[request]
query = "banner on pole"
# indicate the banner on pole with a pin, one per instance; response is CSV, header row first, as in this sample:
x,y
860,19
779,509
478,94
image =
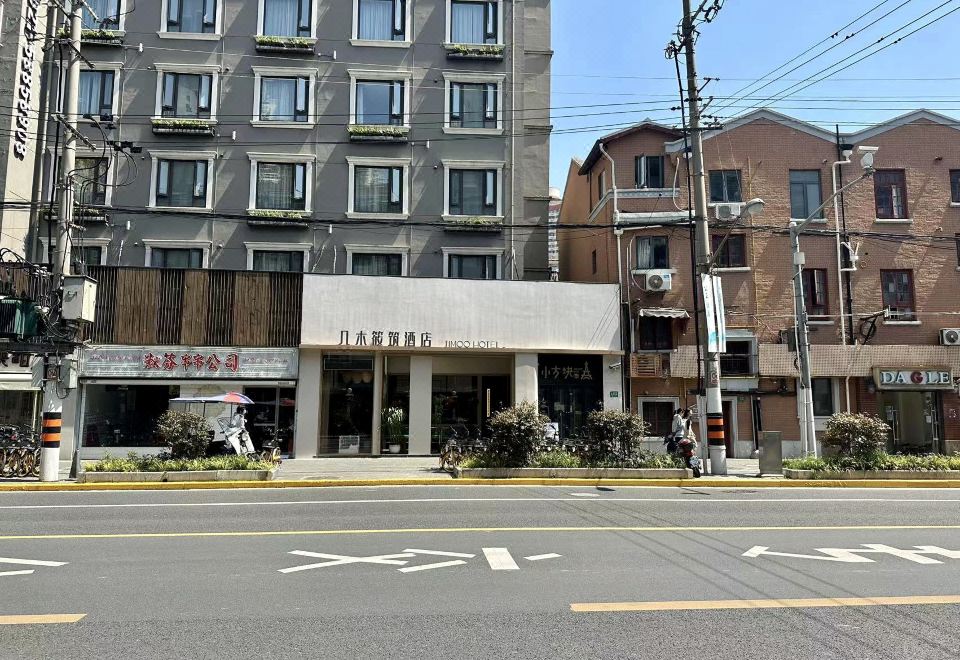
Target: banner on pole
x,y
713,308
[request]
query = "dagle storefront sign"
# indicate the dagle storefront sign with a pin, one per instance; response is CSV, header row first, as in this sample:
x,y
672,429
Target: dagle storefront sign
x,y
913,379
187,363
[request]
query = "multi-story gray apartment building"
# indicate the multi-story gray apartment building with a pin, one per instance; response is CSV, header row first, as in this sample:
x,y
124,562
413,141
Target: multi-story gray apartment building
x,y
387,137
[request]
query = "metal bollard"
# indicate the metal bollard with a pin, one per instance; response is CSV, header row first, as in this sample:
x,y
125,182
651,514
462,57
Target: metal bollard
x,y
50,446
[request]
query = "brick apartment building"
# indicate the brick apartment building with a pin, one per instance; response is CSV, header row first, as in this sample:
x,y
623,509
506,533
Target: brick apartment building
x,y
904,232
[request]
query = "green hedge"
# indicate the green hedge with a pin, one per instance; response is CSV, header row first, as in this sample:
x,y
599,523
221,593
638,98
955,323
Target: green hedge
x,y
880,461
134,463
564,459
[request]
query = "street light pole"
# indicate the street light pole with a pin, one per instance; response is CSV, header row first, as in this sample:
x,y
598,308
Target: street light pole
x,y
808,434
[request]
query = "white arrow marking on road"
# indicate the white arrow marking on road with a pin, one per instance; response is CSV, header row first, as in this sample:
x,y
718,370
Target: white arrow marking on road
x,y
500,559
549,555
909,555
441,553
584,494
27,572
428,567
936,550
340,560
833,554
31,562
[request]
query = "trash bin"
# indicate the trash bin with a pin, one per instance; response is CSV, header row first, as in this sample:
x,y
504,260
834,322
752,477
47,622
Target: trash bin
x,y
771,452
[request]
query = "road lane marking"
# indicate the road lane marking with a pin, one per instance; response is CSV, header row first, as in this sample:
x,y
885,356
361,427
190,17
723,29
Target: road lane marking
x,y
773,603
917,555
26,572
31,562
34,619
470,530
428,567
549,555
573,497
441,553
500,559
341,560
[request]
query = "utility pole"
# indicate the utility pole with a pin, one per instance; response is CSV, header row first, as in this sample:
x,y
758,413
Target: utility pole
x,y
715,432
53,402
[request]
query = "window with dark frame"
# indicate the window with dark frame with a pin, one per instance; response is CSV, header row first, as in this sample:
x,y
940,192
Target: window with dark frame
x,y
653,252
822,397
96,94
815,294
737,361
473,22
593,261
955,186
377,263
284,99
176,257
890,191
382,20
601,185
186,95
473,192
898,294
91,255
805,194
473,105
90,176
731,253
107,11
278,261
648,172
287,18
182,183
655,333
378,189
198,16
725,186
380,102
659,417
281,186
472,266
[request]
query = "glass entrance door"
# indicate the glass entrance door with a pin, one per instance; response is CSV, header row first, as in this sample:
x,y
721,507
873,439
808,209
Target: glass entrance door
x,y
914,419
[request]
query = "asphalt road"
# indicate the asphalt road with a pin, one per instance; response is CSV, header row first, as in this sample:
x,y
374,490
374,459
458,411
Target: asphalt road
x,y
481,572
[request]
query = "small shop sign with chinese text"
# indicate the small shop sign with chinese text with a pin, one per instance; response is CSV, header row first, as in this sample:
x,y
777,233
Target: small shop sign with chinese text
x,y
913,379
185,362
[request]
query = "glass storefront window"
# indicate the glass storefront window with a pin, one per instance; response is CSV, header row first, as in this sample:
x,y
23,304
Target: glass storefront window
x,y
124,415
571,387
398,396
347,404
271,416
18,408
462,405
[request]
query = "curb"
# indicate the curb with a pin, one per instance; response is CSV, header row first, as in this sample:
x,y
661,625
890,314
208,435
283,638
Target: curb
x,y
705,482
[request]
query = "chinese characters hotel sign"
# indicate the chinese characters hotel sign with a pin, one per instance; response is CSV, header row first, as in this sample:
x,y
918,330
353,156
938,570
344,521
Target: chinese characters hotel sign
x,y
189,363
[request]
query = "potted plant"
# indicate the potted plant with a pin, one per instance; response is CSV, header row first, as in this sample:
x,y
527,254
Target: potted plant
x,y
393,427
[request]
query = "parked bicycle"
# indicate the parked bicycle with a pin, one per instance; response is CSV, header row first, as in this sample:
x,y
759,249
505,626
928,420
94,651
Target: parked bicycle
x,y
19,452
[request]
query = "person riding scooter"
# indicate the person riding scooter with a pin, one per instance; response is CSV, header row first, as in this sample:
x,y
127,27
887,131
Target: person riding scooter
x,y
236,433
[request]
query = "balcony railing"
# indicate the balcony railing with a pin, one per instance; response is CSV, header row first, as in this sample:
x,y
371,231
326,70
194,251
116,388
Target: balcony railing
x,y
145,306
733,364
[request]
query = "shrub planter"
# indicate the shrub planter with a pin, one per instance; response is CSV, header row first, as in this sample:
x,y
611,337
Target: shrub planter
x,y
198,475
183,127
483,227
368,133
910,475
290,45
261,218
572,473
475,52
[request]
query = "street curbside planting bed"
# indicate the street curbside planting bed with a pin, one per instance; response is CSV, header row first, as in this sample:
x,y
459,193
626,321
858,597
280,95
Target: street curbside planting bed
x,y
161,477
157,469
851,475
572,473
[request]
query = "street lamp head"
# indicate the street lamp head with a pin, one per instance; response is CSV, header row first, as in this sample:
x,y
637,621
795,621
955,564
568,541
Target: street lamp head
x,y
866,160
846,150
753,207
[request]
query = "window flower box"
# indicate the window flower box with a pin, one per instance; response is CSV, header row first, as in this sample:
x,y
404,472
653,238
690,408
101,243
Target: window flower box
x,y
80,214
296,45
377,133
112,38
165,126
475,52
475,224
277,218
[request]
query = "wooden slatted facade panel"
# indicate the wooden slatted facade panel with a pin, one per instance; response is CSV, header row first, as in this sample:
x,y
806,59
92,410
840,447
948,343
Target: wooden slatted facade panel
x,y
143,306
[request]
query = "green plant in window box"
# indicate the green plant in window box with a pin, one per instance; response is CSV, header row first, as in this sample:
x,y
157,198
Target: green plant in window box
x,y
376,130
476,50
92,35
182,125
277,214
292,43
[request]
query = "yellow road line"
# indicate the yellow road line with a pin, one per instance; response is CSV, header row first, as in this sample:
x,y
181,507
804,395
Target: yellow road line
x,y
791,603
469,530
34,619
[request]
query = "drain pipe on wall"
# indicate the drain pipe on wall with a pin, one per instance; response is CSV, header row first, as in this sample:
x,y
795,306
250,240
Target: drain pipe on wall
x,y
618,232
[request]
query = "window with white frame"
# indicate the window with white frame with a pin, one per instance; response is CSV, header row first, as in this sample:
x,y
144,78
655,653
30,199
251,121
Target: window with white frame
x,y
96,94
473,192
191,16
648,172
186,95
823,403
91,255
468,264
380,20
286,18
107,12
281,186
386,264
284,99
380,102
278,261
90,180
176,257
181,179
474,21
378,186
474,104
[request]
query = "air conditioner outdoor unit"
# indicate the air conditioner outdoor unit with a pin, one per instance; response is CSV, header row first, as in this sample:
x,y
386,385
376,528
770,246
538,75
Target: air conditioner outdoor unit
x,y
950,336
658,281
727,211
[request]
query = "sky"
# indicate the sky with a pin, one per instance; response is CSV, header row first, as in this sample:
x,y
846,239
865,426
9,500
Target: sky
x,y
609,69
